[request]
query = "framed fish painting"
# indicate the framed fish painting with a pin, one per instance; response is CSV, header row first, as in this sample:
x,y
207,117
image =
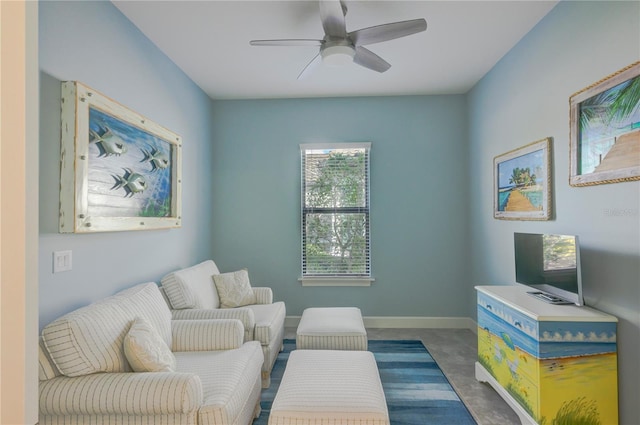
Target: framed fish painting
x,y
119,170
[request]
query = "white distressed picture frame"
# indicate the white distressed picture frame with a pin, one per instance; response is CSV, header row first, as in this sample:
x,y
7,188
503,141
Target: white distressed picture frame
x,y
118,170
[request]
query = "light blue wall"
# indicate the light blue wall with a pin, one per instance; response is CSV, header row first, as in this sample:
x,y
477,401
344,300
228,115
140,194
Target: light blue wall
x,y
92,42
526,98
241,191
431,168
419,193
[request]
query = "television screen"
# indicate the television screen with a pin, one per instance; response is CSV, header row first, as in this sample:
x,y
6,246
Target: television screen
x,y
550,264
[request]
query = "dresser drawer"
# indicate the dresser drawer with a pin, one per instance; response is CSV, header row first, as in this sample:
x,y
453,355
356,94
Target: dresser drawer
x,y
517,329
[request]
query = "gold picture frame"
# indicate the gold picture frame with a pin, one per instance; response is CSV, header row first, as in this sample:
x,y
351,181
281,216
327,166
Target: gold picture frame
x,y
119,170
604,134
522,183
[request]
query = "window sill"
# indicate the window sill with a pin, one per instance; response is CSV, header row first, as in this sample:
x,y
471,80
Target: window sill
x,y
336,281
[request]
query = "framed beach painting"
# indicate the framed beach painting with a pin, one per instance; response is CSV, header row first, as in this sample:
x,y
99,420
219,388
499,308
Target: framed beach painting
x,y
522,183
604,131
119,170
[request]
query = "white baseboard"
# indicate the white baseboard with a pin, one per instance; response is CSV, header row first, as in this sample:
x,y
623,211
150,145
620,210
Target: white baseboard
x,y
399,322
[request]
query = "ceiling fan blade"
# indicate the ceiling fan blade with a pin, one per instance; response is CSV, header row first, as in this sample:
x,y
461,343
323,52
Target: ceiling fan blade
x,y
368,59
287,42
385,32
317,60
332,16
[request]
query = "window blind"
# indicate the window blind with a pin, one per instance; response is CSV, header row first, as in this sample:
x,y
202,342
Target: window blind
x,y
335,210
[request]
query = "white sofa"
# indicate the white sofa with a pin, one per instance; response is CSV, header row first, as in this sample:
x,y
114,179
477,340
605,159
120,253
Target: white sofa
x,y
191,294
86,374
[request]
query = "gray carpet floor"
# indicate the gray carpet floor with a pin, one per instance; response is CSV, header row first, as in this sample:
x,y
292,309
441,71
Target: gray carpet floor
x,y
455,351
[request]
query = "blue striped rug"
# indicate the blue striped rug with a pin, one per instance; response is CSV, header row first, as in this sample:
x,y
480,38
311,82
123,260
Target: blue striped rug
x,y
416,390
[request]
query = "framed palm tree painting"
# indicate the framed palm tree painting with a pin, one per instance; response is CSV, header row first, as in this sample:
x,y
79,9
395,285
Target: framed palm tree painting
x,y
522,183
605,130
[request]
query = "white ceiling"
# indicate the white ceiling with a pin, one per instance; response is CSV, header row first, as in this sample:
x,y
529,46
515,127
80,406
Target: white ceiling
x,y
209,41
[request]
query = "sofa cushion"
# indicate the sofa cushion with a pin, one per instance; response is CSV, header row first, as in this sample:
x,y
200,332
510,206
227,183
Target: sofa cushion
x,y
147,301
227,378
192,287
145,349
90,339
234,289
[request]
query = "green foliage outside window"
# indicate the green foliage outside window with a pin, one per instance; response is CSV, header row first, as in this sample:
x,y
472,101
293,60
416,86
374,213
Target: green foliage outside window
x,y
335,213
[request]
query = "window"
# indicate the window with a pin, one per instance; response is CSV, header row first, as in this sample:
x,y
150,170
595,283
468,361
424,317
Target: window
x,y
335,214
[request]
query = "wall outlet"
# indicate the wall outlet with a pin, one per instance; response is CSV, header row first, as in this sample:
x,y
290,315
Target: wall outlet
x,y
62,261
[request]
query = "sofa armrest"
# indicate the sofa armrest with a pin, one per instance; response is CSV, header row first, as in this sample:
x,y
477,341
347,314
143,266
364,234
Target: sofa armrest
x,y
158,393
245,315
264,295
206,335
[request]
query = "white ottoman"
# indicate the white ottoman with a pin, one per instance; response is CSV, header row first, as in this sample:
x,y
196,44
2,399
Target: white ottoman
x,y
336,328
330,387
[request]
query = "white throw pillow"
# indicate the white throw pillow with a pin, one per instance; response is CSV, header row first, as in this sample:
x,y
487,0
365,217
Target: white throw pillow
x,y
146,351
234,289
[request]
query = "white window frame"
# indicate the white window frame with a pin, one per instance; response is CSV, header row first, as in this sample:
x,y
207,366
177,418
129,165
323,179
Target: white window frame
x,y
337,279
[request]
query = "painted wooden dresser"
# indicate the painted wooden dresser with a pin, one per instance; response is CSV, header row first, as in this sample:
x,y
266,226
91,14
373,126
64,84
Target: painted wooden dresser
x,y
550,363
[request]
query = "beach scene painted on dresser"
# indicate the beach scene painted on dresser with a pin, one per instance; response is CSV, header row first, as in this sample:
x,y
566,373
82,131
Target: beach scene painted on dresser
x,y
534,364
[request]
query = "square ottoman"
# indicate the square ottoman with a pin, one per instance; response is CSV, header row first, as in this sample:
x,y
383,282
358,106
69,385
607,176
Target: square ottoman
x,y
334,328
330,387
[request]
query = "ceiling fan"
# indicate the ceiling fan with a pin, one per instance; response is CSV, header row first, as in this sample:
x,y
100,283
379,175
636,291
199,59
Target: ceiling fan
x,y
339,47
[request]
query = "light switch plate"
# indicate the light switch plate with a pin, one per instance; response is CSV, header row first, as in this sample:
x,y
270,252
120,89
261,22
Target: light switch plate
x,y
62,261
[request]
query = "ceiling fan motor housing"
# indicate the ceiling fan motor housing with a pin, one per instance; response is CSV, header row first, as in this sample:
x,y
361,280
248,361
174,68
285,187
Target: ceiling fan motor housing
x,y
337,53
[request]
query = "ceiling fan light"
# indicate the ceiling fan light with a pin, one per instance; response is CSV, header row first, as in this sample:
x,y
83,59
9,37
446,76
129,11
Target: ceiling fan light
x,y
338,55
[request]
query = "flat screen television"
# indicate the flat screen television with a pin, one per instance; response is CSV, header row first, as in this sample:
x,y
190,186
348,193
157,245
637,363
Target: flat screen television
x,y
550,265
